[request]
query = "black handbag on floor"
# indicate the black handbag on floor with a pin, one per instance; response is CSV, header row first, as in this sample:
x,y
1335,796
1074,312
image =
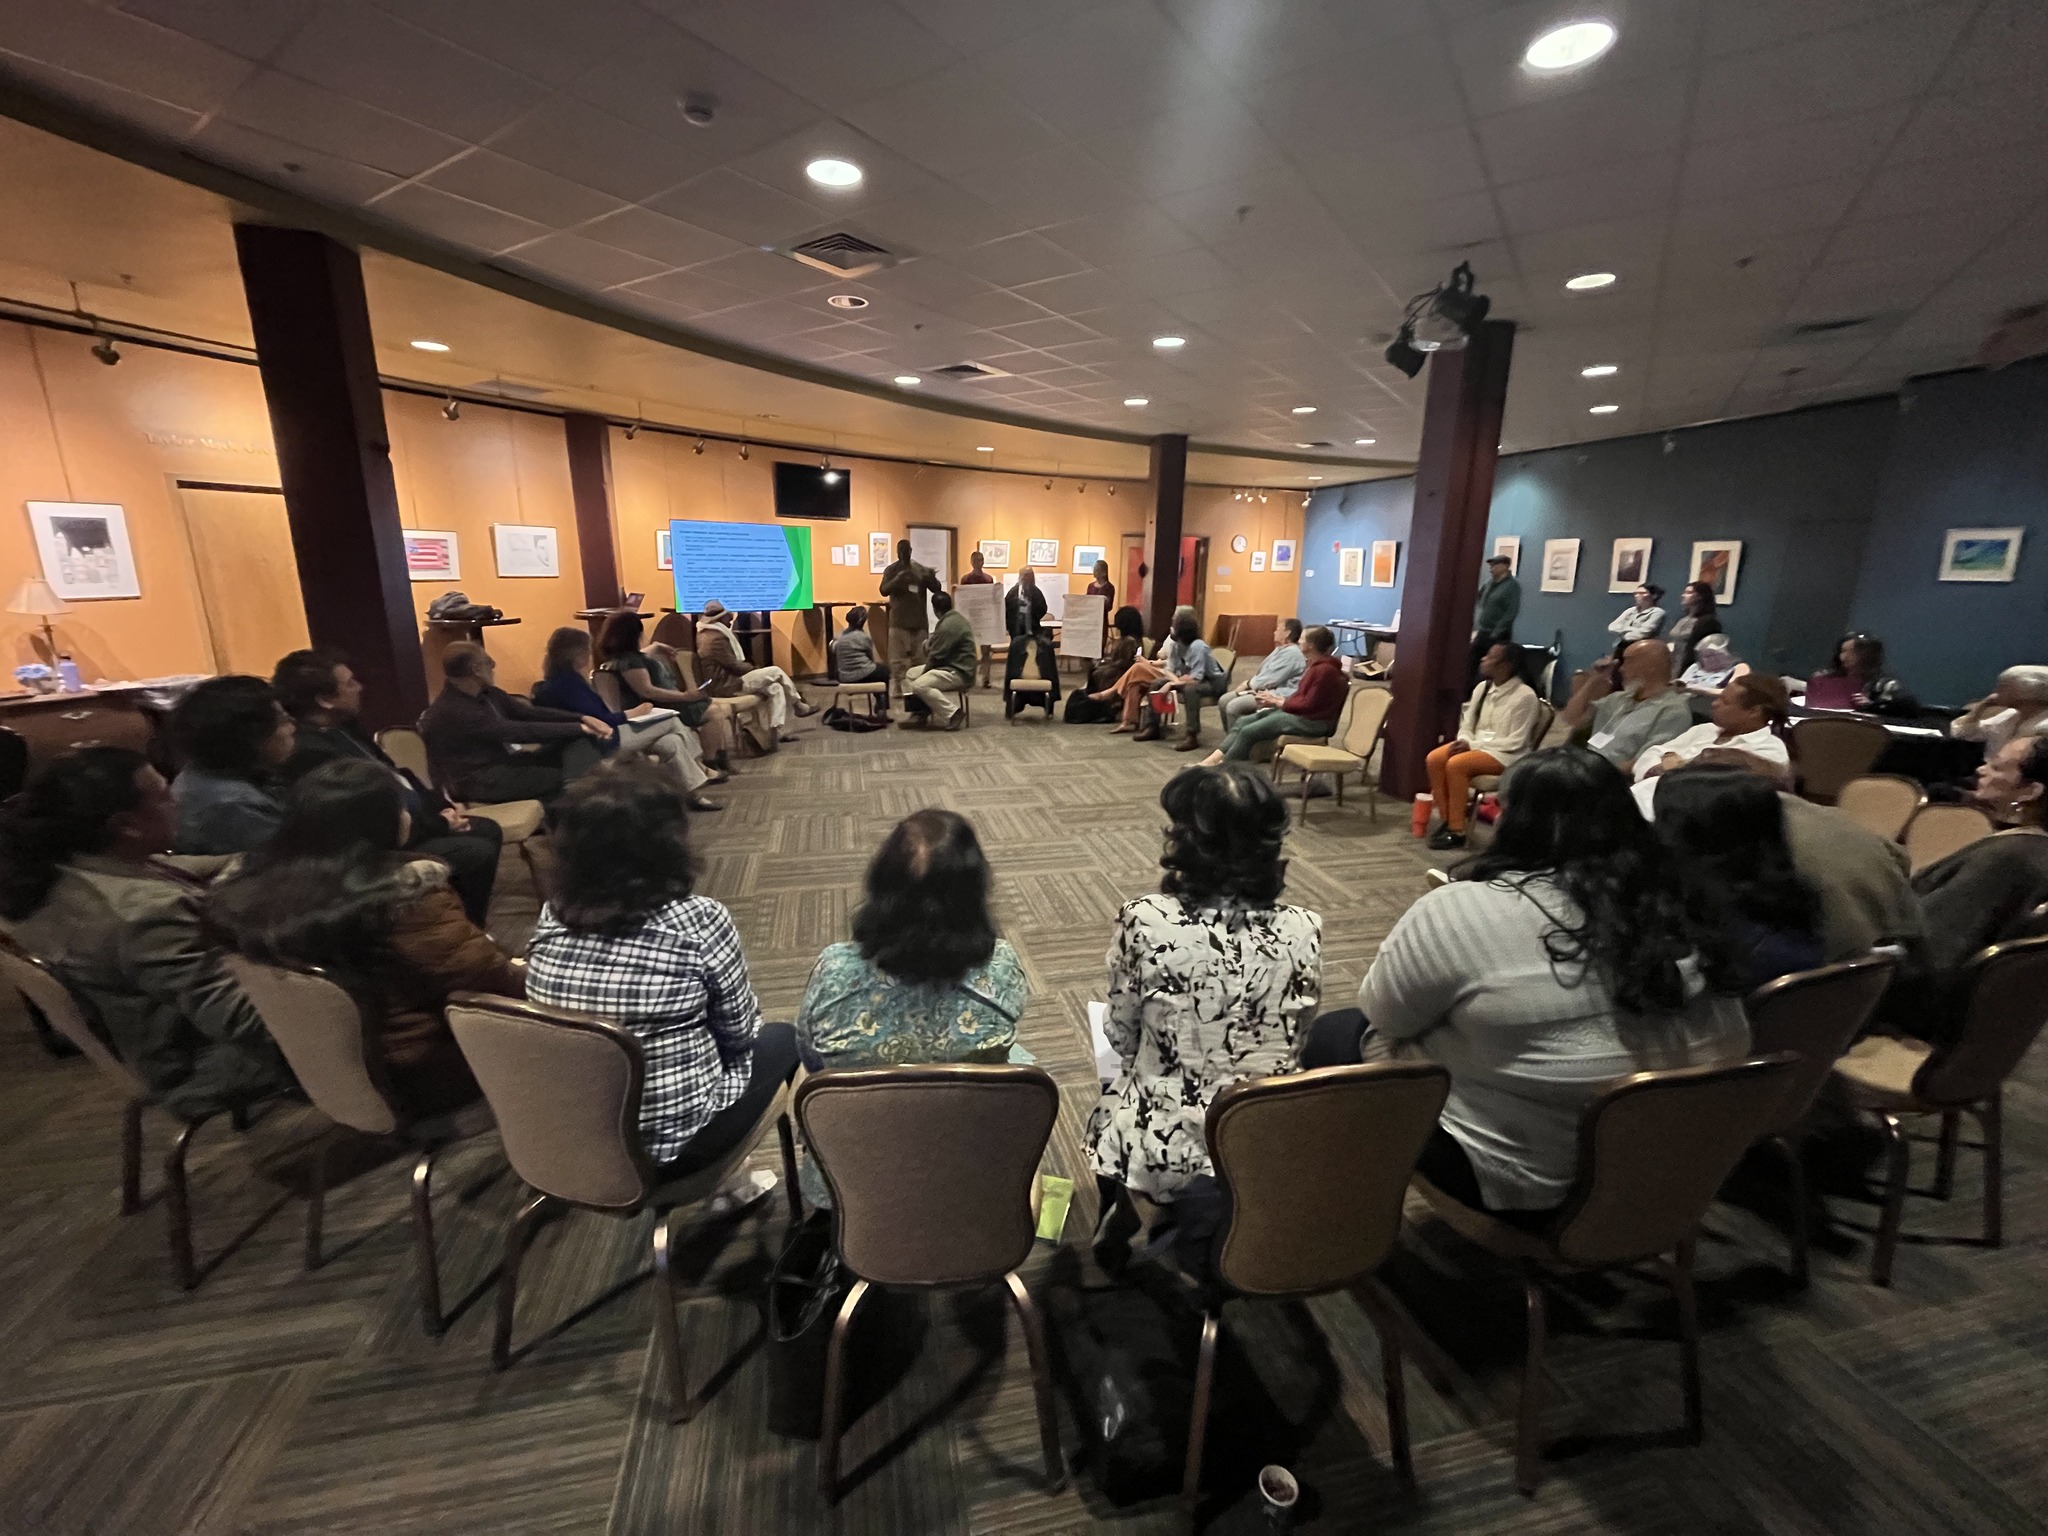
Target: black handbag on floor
x,y
806,1289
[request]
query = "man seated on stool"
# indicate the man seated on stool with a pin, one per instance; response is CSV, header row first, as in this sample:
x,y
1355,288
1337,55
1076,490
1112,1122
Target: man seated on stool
x,y
853,652
1493,731
471,728
727,671
947,669
1312,708
1273,682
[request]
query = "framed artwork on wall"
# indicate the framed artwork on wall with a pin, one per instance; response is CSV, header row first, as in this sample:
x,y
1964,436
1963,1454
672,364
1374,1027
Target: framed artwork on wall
x,y
1510,544
1283,554
878,552
526,550
1560,565
1085,556
1386,558
1717,562
1044,554
1981,554
995,554
852,555
432,555
85,550
1629,566
664,559
1350,567
1258,560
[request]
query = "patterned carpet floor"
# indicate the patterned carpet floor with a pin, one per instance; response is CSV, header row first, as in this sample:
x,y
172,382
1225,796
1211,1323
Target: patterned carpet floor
x,y
272,1400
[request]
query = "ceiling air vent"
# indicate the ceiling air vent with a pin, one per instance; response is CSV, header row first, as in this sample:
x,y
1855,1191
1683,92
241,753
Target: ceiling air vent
x,y
968,371
841,254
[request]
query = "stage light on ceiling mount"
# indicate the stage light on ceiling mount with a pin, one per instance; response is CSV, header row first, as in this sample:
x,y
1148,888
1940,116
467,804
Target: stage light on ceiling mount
x,y
1602,410
1405,355
1600,371
1571,46
453,409
1169,343
1446,316
1586,282
428,344
828,171
909,380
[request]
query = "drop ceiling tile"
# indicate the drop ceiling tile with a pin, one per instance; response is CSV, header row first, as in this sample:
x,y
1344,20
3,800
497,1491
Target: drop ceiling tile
x,y
1255,41
1073,293
581,263
780,165
991,307
1188,271
111,101
1403,88
1596,126
291,166
1049,332
829,52
1992,117
1051,187
1118,62
955,120
645,82
299,113
1765,212
1208,138
540,39
729,204
578,142
520,189
369,57
684,290
1961,231
1848,70
770,276
658,237
1136,233
2009,38
759,321
975,26
1739,26
940,223
1923,185
247,28
1424,168
1018,259
453,220
1813,151
123,51
1626,189
1443,225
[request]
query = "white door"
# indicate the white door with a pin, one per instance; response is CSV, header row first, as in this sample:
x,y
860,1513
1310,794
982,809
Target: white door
x,y
933,547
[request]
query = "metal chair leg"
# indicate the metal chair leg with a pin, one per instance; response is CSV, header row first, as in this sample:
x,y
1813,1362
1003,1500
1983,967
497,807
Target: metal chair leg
x,y
789,1168
1529,1415
1680,1276
1041,1382
835,1393
1898,1161
1991,1115
316,1199
517,1236
1945,1154
131,1157
1801,1234
178,1205
1198,1417
668,1337
428,1259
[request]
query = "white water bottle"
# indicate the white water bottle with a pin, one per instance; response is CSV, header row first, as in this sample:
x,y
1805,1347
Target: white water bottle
x,y
67,675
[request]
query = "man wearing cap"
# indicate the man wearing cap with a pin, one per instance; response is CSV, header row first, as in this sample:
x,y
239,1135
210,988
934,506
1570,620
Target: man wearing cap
x,y
1493,616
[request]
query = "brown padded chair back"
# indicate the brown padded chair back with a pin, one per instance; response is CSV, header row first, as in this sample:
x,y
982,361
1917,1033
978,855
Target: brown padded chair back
x,y
1317,1165
1813,1016
1369,708
323,1034
1539,727
1880,802
930,1166
1940,830
676,629
1829,752
43,987
408,749
2005,1003
1654,1149
565,1091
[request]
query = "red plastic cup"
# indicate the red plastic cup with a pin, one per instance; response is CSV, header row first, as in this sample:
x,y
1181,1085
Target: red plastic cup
x,y
1419,822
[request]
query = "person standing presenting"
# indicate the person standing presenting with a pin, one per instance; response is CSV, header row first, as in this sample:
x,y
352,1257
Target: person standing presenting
x,y
1494,615
905,583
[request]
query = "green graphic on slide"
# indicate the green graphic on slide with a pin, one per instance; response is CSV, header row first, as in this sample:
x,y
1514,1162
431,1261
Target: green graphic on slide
x,y
749,567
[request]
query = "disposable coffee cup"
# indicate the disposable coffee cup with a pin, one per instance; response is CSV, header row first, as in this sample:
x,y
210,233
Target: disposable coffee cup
x,y
1279,1492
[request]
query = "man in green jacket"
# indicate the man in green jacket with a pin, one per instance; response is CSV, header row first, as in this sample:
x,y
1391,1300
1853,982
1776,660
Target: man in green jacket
x,y
950,656
1494,615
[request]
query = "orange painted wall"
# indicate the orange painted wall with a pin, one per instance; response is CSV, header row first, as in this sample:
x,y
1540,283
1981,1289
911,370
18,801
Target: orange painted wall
x,y
1233,586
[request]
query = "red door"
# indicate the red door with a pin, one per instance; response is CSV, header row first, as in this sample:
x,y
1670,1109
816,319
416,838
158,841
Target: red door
x,y
1184,591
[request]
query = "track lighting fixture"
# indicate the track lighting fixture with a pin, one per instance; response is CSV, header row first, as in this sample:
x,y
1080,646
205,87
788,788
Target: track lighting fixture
x,y
1048,485
1112,490
453,409
632,430
103,349
1444,317
1083,491
1262,498
825,462
744,455
698,447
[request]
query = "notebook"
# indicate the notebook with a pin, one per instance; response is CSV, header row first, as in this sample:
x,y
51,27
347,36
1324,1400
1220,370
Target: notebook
x,y
1826,691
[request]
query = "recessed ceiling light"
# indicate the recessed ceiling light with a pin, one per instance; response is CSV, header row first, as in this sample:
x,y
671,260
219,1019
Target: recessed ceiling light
x,y
1587,280
1365,442
908,380
984,449
828,172
1304,410
1570,46
1136,400
1602,410
1600,371
423,344
1315,477
847,301
1168,343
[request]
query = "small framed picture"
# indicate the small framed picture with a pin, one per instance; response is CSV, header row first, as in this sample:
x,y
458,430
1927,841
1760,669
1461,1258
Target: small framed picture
x,y
1351,567
839,554
664,560
995,553
1085,556
1042,554
1981,554
84,545
1258,559
1386,559
852,553
1283,554
1717,562
1629,567
525,550
431,555
878,552
1560,565
1510,544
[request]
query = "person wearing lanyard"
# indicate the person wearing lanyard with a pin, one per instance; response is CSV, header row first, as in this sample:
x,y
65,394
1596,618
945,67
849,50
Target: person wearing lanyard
x,y
1647,710
1492,733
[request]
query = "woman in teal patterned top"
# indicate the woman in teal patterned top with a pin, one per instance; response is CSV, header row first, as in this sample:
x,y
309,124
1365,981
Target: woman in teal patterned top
x,y
925,978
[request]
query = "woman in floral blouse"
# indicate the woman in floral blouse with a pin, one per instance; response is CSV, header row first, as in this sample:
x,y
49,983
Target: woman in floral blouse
x,y
1209,982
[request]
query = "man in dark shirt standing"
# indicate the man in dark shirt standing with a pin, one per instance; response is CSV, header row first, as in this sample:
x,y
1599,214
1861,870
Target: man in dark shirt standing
x,y
471,728
905,584
1494,615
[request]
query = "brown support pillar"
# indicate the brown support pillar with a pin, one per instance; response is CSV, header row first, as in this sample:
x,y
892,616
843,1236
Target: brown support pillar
x,y
1168,485
319,368
1446,540
590,483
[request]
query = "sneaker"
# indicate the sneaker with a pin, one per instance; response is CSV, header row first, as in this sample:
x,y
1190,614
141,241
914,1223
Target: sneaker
x,y
805,708
749,1189
1446,839
699,803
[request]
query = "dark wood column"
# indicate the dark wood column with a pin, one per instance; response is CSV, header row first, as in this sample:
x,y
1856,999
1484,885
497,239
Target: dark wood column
x,y
1446,542
1167,485
319,368
590,482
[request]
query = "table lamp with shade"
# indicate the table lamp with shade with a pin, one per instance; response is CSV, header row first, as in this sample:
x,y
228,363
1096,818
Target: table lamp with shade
x,y
36,598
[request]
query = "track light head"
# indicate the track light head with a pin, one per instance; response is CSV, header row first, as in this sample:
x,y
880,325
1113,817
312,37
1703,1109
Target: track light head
x,y
698,447
1112,490
1457,303
744,454
103,349
1083,490
1048,485
632,430
453,409
1403,353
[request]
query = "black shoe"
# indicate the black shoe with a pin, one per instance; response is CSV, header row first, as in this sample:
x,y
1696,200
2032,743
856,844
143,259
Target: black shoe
x,y
699,803
1446,839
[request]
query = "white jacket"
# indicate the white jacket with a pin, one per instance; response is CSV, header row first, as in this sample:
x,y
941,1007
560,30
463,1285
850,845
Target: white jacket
x,y
1498,719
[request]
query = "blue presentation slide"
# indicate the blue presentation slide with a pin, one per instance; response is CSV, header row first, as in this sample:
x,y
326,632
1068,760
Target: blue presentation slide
x,y
749,567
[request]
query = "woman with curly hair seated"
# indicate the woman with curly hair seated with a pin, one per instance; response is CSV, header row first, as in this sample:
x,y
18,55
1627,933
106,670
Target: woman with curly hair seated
x,y
1210,981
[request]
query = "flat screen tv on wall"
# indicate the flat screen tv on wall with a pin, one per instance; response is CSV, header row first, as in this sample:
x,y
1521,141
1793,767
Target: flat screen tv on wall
x,y
807,491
